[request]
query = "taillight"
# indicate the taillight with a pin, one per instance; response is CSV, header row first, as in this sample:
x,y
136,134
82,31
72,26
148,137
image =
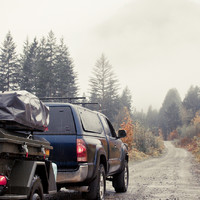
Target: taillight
x,y
81,150
3,184
3,180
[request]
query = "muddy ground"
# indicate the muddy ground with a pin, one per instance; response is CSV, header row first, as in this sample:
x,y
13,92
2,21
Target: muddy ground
x,y
173,176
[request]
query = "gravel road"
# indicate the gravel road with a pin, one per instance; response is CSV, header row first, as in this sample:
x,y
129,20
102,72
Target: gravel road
x,y
174,176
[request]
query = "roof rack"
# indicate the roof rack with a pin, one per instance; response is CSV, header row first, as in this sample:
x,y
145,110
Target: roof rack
x,y
62,98
70,100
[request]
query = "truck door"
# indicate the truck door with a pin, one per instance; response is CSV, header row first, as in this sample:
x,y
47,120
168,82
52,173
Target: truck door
x,y
114,145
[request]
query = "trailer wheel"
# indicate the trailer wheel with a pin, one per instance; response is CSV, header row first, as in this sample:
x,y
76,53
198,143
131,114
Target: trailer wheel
x,y
36,192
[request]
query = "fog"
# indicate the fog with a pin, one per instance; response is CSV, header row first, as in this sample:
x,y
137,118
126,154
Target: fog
x,y
152,45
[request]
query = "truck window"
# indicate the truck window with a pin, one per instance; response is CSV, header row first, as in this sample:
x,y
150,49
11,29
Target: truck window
x,y
90,121
60,120
110,131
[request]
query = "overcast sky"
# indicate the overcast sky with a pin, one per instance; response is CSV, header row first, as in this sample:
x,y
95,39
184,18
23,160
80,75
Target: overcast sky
x,y
152,45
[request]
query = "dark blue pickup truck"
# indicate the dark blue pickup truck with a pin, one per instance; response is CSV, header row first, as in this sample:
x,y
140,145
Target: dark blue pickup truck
x,y
87,150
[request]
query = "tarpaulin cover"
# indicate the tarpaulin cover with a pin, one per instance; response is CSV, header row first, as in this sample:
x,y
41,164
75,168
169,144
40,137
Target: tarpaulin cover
x,y
23,110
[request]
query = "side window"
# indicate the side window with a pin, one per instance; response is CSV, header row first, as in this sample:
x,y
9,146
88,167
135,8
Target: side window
x,y
61,121
90,121
110,131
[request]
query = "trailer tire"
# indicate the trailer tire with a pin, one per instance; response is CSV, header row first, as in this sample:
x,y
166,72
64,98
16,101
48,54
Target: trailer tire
x,y
36,192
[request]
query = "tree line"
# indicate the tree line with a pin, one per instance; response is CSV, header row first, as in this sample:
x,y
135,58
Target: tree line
x,y
174,116
46,69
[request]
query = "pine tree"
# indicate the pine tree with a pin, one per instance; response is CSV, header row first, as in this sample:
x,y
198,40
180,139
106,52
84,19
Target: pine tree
x,y
51,55
152,120
29,63
46,66
169,115
66,78
104,87
191,103
42,73
9,65
126,98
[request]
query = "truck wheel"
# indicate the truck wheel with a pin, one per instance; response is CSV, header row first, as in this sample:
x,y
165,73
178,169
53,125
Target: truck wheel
x,y
36,192
120,181
97,187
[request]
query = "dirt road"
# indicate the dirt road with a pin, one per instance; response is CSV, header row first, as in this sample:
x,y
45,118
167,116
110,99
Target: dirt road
x,y
174,176
171,177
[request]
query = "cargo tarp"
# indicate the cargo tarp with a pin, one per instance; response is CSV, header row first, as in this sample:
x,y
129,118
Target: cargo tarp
x,y
23,110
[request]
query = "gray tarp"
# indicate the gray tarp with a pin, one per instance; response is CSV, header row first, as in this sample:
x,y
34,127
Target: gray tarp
x,y
23,110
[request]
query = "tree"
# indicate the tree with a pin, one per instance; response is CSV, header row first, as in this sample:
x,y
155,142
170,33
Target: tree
x,y
104,87
191,103
42,72
46,65
66,78
9,65
29,64
126,99
127,125
169,115
55,76
152,120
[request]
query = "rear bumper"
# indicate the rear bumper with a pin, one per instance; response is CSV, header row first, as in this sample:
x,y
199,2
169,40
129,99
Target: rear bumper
x,y
73,176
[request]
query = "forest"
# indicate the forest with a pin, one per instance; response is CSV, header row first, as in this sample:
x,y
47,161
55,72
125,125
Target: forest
x,y
46,69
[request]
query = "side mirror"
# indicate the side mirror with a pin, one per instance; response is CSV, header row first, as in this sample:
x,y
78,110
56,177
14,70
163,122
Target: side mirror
x,y
121,133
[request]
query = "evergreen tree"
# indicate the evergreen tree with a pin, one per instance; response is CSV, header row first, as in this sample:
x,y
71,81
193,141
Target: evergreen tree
x,y
126,99
169,115
29,63
46,66
51,56
9,65
152,120
104,88
191,103
125,104
42,71
66,78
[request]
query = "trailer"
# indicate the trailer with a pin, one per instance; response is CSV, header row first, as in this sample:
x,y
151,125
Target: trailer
x,y
25,171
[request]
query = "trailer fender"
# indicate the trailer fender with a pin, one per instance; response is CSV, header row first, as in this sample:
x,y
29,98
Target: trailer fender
x,y
23,173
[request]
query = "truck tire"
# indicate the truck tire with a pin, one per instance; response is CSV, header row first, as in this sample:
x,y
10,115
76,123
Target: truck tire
x,y
120,181
36,192
97,187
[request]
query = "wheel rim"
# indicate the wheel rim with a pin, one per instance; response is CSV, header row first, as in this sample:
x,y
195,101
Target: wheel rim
x,y
126,177
36,197
101,186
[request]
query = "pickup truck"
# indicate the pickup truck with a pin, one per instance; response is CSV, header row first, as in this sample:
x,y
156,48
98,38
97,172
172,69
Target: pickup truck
x,y
86,150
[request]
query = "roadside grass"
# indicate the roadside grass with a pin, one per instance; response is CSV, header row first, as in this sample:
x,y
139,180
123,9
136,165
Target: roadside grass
x,y
192,145
136,155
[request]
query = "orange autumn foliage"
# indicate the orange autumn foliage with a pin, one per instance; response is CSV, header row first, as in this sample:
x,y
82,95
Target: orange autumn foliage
x,y
173,135
127,125
196,119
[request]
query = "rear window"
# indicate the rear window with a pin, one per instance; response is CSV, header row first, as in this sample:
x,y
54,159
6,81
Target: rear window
x,y
61,121
90,121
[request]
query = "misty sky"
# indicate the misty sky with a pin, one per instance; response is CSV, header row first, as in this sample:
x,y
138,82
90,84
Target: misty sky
x,y
153,45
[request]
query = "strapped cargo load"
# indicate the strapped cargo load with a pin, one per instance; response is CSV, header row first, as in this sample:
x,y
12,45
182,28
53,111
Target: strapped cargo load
x,y
21,113
21,110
